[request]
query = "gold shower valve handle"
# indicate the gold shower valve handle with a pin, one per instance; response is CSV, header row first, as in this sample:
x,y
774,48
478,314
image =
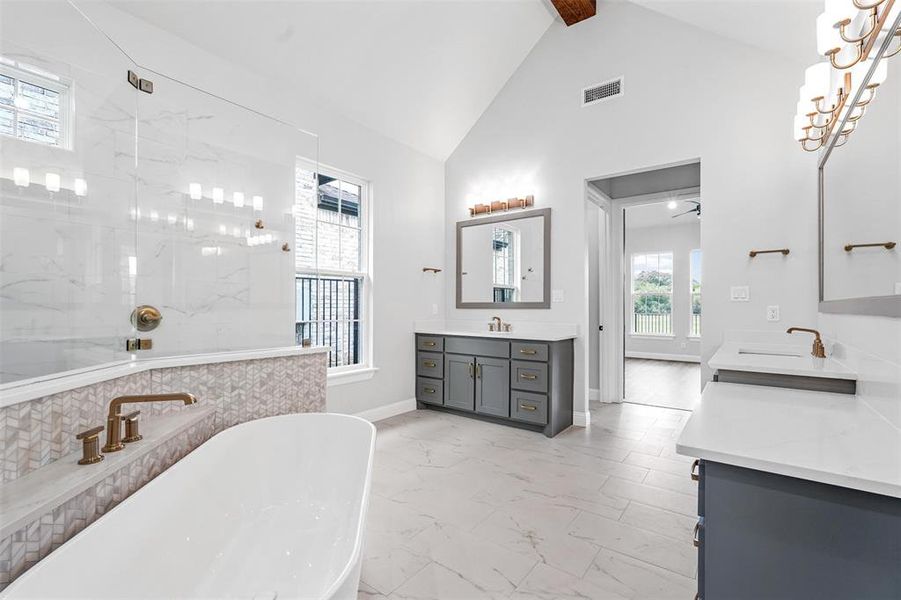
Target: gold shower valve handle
x,y
146,318
132,433
90,448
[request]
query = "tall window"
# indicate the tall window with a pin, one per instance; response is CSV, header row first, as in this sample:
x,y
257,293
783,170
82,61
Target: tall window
x,y
504,267
652,294
694,329
331,263
33,107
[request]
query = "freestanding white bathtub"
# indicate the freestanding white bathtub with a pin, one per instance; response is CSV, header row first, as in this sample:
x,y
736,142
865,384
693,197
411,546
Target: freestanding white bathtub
x,y
273,508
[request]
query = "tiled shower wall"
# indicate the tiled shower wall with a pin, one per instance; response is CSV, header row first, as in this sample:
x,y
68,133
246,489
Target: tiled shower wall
x,y
38,432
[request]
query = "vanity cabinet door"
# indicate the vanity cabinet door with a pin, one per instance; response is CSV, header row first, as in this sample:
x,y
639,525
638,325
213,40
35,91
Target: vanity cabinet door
x,y
459,377
493,386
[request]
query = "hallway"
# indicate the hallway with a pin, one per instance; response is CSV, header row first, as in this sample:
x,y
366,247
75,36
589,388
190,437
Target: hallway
x,y
663,383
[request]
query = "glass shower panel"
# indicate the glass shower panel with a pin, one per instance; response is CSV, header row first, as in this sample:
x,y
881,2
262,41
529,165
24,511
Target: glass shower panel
x,y
68,253
215,237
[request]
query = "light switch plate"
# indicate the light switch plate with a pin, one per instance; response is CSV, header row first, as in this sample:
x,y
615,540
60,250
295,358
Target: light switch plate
x,y
434,309
556,295
740,293
772,313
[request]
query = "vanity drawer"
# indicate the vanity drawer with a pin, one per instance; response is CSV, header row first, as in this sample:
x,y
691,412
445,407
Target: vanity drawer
x,y
528,351
528,376
528,407
477,347
430,343
429,390
429,364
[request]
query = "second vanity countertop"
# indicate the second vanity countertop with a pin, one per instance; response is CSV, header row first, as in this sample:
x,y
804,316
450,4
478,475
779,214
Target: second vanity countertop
x,y
837,439
549,332
778,359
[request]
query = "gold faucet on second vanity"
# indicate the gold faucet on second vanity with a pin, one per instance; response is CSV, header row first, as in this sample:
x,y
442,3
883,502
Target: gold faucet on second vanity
x,y
818,350
113,418
496,324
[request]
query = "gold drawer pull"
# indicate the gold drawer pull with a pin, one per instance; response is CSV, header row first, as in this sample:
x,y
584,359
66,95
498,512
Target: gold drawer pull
x,y
429,364
528,351
696,536
527,376
695,476
429,344
428,390
528,407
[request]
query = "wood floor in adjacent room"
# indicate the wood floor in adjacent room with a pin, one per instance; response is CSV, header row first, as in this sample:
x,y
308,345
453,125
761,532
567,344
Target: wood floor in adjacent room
x,y
665,383
463,509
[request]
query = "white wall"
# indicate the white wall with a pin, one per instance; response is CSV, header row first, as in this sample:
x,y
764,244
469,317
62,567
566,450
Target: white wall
x,y
407,196
688,95
680,240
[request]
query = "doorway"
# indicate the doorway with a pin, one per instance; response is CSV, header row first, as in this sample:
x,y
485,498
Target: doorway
x,y
645,282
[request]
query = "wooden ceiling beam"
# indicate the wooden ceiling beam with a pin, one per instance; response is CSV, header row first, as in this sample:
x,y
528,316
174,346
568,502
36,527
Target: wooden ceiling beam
x,y
574,11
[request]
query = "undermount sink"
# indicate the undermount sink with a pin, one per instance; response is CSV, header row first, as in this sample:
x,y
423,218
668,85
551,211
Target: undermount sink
x,y
788,353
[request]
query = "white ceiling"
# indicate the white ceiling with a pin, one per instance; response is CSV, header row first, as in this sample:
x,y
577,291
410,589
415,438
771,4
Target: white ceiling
x,y
659,215
421,72
785,27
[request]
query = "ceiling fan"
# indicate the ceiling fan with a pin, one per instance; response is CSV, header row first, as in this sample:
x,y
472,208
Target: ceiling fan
x,y
696,210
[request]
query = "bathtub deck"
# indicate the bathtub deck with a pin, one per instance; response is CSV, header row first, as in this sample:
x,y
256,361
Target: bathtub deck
x,y
466,509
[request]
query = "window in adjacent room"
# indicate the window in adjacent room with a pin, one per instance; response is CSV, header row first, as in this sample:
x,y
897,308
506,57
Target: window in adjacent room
x,y
504,245
694,329
331,263
652,294
34,106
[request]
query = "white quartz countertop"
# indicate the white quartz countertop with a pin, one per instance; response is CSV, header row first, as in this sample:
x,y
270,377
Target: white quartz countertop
x,y
779,359
544,332
837,439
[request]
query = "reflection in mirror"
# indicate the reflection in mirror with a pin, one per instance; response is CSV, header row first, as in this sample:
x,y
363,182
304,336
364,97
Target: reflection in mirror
x,y
503,260
862,202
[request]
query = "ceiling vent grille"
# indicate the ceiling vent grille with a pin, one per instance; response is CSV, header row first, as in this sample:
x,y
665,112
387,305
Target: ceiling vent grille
x,y
602,91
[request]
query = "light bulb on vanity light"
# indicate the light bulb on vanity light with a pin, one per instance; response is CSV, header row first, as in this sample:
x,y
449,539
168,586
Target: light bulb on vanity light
x,y
21,177
81,187
195,191
218,195
672,205
51,182
238,199
223,230
258,203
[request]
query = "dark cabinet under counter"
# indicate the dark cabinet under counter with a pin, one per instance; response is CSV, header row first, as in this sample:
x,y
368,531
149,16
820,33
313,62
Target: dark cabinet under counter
x,y
523,383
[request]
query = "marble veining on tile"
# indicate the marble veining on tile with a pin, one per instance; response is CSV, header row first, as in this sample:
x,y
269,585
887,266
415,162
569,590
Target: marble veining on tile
x,y
466,509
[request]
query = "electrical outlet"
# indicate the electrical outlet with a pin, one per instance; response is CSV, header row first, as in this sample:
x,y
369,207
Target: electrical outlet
x,y
434,309
556,295
772,313
740,293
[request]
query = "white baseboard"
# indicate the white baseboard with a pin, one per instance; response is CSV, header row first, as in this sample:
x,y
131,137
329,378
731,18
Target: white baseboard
x,y
594,395
662,356
581,419
389,410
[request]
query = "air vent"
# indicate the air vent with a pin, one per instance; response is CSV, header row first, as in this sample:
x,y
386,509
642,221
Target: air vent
x,y
602,91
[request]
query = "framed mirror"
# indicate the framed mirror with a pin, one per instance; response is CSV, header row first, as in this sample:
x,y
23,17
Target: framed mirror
x,y
860,202
504,261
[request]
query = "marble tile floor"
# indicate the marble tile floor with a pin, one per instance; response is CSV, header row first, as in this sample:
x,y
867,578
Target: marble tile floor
x,y
462,509
665,383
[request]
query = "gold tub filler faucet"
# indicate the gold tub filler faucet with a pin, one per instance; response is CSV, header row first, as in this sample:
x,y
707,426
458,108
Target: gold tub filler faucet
x,y
114,439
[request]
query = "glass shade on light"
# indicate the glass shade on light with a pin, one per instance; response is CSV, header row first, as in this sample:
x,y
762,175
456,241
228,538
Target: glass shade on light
x,y
81,187
817,82
218,195
238,199
195,191
51,182
258,203
21,177
828,36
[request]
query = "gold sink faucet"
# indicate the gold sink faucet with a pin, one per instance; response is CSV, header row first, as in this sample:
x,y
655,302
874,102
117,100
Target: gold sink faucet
x,y
818,350
496,324
113,418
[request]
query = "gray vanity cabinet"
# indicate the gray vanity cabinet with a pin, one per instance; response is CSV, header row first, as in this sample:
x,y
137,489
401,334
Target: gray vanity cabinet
x,y
523,383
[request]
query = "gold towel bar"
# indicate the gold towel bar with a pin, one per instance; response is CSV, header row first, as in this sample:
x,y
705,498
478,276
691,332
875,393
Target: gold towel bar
x,y
886,245
432,269
782,251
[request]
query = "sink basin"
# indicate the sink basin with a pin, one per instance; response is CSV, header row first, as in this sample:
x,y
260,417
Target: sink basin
x,y
789,353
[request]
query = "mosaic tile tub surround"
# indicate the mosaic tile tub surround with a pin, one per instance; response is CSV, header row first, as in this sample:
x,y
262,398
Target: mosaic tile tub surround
x,y
36,433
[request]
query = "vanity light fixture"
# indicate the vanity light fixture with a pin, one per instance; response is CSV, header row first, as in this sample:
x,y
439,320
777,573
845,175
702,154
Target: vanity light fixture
x,y
195,191
81,187
218,195
21,177
238,199
51,182
501,205
849,30
258,203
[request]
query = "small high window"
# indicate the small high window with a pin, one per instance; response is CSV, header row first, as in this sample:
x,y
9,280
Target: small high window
x,y
33,106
